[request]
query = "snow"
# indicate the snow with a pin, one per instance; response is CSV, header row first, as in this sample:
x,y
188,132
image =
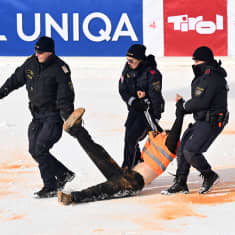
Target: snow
x,y
96,85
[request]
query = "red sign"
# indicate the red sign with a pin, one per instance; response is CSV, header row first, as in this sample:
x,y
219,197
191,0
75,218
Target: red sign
x,y
193,23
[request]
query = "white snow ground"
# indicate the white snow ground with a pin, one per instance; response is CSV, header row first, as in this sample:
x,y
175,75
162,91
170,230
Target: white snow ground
x,y
96,85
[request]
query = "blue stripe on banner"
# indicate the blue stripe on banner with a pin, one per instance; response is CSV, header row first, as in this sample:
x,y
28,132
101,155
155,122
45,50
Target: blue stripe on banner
x,y
80,28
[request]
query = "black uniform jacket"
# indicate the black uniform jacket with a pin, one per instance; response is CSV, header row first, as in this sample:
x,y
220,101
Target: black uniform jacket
x,y
145,78
209,92
48,84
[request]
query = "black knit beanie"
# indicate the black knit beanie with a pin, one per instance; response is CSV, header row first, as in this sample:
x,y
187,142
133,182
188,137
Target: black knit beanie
x,y
45,44
137,51
203,54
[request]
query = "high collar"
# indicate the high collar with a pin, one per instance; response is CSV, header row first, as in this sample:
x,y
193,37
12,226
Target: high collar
x,y
201,69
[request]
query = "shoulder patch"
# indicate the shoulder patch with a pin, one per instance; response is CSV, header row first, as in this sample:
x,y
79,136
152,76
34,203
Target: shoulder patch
x,y
198,91
152,71
208,71
156,86
65,69
29,73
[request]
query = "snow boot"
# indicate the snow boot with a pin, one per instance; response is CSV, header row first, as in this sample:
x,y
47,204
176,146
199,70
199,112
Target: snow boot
x,y
180,186
68,177
210,179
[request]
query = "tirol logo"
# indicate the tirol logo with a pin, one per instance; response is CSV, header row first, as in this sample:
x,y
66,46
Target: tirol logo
x,y
184,23
188,26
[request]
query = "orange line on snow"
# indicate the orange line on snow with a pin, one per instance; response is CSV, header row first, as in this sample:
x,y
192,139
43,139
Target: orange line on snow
x,y
228,132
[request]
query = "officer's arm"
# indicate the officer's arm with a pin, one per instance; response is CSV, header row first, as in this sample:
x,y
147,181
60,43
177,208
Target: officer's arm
x,y
124,92
155,92
65,92
202,97
123,88
16,80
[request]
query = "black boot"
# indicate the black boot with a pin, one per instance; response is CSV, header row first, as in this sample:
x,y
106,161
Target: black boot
x,y
46,192
210,178
179,186
67,177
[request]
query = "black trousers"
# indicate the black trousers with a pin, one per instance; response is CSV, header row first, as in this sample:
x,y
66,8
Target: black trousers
x,y
43,132
120,182
197,139
136,130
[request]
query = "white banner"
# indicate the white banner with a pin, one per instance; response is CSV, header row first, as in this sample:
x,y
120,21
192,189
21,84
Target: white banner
x,y
231,27
153,35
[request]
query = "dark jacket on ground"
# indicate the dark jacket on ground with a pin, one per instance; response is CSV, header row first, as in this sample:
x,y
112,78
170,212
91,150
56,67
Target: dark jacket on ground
x,y
48,84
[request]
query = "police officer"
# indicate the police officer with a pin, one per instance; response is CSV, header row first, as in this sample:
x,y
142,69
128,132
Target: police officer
x,y
209,107
51,97
140,79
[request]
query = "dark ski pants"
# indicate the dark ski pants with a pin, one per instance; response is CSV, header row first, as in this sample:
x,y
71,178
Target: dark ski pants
x,y
196,139
107,166
136,130
44,131
120,182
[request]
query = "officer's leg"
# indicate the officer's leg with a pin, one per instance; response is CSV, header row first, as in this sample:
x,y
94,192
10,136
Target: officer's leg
x,y
135,131
183,167
199,142
105,163
121,186
202,138
55,127
34,131
49,134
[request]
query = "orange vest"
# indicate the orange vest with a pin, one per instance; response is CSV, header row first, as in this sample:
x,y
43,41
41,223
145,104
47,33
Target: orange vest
x,y
156,154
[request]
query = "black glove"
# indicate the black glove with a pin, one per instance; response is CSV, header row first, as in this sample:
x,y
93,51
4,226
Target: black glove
x,y
139,105
180,111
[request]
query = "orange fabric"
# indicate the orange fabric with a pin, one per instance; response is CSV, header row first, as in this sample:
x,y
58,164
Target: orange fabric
x,y
158,140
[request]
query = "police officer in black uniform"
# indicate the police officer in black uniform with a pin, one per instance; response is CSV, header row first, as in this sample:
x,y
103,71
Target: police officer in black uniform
x,y
51,97
209,107
140,75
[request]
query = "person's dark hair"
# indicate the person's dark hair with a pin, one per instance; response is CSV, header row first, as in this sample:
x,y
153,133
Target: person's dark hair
x,y
214,63
150,60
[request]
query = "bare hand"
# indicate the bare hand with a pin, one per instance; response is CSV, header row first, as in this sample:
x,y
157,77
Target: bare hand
x,y
164,133
141,94
178,97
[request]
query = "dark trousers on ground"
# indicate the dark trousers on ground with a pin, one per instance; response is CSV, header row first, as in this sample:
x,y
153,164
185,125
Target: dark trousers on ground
x,y
196,139
120,182
136,130
44,131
